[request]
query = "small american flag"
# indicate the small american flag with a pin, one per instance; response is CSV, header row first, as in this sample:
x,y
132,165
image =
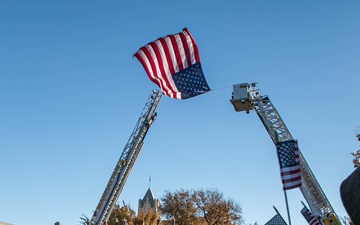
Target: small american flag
x,y
309,217
288,154
276,220
173,63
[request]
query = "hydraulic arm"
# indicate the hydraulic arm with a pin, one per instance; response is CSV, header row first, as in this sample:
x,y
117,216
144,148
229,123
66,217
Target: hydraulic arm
x,y
126,161
246,97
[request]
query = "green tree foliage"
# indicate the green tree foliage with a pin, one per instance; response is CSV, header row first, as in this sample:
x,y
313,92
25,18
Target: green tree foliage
x,y
201,207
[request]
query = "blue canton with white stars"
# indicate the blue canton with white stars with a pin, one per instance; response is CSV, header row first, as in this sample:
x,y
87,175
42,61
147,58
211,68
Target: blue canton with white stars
x,y
191,81
276,220
286,154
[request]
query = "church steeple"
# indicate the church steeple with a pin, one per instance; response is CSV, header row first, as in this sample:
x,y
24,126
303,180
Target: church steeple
x,y
149,203
149,181
149,196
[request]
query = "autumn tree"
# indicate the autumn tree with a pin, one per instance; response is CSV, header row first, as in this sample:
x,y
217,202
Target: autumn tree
x,y
356,159
201,207
215,209
180,206
148,218
125,212
84,220
121,213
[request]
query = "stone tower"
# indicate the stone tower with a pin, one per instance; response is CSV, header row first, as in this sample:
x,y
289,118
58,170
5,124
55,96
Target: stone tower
x,y
149,203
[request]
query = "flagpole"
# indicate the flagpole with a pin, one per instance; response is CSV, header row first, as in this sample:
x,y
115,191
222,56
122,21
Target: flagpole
x,y
277,212
287,207
276,140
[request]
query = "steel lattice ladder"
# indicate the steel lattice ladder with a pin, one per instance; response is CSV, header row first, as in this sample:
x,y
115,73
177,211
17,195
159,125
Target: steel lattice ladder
x,y
126,161
247,97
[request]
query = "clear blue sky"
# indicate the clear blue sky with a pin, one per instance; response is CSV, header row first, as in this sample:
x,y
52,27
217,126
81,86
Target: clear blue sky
x,y
71,94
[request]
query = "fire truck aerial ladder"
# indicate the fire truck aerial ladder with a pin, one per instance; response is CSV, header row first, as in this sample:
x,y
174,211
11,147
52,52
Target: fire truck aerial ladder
x,y
246,97
126,161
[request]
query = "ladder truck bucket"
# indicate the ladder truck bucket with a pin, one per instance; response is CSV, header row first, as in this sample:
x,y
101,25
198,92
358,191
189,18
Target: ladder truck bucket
x,y
241,97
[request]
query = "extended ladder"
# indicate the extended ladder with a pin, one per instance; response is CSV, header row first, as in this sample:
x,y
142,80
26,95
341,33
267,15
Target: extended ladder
x,y
126,161
246,98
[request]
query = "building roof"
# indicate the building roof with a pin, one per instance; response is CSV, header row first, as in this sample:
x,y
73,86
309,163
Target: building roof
x,y
149,195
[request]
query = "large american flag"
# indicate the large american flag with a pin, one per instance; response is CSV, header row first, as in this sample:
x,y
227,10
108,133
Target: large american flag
x,y
309,217
288,154
173,63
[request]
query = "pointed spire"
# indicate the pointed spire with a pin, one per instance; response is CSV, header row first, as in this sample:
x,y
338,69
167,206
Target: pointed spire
x,y
149,180
149,195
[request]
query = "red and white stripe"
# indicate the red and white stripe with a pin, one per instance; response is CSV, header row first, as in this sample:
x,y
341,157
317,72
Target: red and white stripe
x,y
314,221
166,56
291,176
309,217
